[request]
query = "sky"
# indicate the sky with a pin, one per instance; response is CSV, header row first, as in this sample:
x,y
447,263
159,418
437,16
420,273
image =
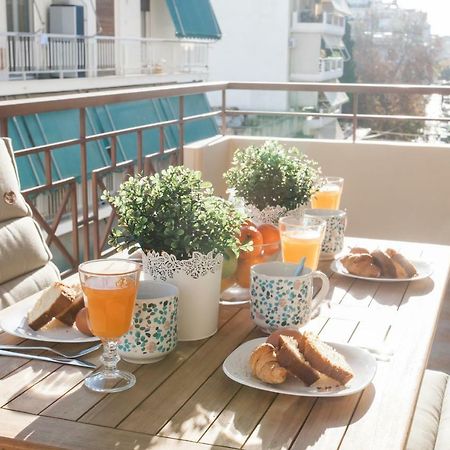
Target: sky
x,y
438,13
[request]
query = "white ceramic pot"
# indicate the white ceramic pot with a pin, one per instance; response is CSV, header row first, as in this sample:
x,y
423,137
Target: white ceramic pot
x,y
198,281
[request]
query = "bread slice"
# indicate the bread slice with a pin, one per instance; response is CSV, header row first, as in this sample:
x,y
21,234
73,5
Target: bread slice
x,y
326,359
51,302
77,303
406,265
290,357
384,262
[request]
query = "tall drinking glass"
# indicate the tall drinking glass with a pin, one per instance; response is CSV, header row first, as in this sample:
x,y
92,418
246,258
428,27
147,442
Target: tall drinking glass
x,y
329,194
110,288
302,237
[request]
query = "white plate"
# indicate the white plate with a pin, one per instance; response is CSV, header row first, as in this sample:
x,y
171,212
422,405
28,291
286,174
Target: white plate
x,y
424,270
363,364
13,321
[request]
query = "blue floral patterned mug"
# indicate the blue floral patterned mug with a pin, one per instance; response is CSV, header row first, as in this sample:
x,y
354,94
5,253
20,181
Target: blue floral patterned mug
x,y
333,241
153,333
280,299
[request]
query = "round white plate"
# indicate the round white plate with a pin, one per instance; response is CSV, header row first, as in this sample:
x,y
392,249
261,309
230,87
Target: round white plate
x,y
424,270
363,364
14,321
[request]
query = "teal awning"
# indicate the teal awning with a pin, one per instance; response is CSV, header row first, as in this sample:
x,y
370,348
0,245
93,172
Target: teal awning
x,y
194,19
45,128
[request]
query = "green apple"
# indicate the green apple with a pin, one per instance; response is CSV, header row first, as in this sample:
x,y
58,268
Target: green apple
x,y
230,263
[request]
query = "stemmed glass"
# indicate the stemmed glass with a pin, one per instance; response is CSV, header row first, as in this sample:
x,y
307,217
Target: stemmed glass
x,y
110,288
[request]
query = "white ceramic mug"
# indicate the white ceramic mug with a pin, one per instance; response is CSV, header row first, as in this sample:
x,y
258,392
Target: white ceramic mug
x,y
153,333
280,299
333,241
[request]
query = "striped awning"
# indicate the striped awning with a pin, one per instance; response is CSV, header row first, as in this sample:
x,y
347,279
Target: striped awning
x,y
194,19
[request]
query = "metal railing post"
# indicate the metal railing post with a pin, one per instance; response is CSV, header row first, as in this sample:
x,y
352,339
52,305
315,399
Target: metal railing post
x,y
355,116
224,112
4,127
181,129
84,184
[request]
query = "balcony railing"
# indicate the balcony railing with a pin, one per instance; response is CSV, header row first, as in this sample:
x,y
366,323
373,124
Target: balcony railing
x,y
326,18
29,55
88,223
331,64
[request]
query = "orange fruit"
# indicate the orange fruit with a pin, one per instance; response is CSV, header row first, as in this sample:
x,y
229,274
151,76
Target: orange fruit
x,y
271,238
251,233
248,223
243,270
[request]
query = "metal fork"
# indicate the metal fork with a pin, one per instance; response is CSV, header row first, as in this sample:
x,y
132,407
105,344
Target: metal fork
x,y
70,355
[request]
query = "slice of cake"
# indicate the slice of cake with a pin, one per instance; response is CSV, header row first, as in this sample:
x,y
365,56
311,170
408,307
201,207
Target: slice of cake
x,y
290,357
51,302
77,303
326,359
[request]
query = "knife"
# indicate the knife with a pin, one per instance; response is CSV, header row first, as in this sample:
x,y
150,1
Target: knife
x,y
72,362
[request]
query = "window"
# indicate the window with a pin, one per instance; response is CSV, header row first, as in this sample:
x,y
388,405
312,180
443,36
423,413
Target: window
x,y
19,15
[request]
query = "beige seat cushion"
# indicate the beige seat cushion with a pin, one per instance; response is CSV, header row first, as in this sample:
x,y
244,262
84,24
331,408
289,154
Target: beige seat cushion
x,y
17,289
431,424
22,248
12,203
24,255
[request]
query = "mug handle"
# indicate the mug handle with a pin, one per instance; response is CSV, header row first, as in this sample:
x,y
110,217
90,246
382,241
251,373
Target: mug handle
x,y
320,296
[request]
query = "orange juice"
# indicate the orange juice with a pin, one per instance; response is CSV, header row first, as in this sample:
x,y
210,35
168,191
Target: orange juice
x,y
110,310
329,197
297,244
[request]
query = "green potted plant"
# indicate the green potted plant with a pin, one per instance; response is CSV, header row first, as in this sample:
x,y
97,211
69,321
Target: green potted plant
x,y
272,180
183,230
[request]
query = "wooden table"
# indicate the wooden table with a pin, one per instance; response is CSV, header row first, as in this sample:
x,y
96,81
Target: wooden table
x,y
187,402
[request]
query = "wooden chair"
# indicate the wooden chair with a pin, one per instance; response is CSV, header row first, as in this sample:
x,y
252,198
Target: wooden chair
x,y
25,259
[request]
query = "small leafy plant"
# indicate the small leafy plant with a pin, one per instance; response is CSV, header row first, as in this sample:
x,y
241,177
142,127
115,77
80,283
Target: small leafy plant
x,y
174,212
273,175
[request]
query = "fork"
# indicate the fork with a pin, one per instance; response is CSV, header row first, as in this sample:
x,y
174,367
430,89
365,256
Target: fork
x,y
70,355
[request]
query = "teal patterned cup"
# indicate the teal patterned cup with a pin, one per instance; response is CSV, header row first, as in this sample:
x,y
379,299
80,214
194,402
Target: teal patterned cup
x,y
281,299
333,241
153,333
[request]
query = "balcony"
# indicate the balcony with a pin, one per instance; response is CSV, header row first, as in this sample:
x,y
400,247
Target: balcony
x,y
329,68
388,207
393,190
325,23
30,56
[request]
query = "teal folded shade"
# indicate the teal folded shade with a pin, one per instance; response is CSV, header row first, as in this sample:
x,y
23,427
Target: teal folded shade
x,y
45,128
194,19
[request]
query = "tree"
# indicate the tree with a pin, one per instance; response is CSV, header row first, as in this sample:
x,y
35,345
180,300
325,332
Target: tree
x,y
402,54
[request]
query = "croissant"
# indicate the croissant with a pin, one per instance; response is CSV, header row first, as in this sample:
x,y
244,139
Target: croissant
x,y
361,264
264,365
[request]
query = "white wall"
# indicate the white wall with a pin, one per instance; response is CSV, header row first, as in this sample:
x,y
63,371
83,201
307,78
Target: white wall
x,y
127,24
161,24
305,53
254,47
391,191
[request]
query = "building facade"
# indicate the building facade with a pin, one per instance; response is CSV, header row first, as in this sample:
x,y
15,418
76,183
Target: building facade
x,y
102,43
290,40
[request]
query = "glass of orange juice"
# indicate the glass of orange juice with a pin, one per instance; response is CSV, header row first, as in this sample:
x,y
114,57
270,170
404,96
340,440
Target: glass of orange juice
x,y
329,194
301,237
110,288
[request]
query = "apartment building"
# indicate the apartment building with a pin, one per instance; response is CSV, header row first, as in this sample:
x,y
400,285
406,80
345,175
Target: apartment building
x,y
102,43
289,40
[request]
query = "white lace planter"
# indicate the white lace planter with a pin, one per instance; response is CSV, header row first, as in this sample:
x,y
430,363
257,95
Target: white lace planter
x,y
270,214
198,280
